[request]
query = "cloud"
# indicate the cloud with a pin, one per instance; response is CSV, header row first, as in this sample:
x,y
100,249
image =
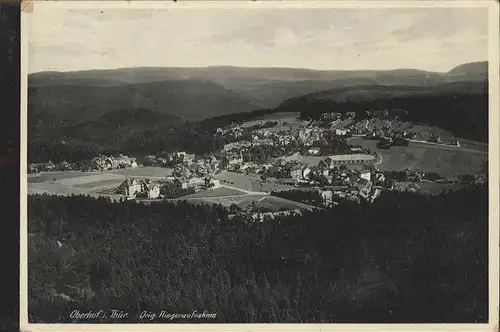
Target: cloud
x,y
444,23
430,38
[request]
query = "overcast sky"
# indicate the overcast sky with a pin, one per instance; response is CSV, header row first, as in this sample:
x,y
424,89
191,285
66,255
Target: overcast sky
x,y
430,39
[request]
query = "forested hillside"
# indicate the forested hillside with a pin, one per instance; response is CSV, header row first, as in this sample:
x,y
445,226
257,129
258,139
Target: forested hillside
x,y
464,114
390,261
90,139
188,99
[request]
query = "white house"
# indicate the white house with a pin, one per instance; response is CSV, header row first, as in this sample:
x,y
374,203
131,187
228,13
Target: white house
x,y
327,197
235,159
379,177
365,174
152,190
313,151
306,172
296,173
129,188
341,132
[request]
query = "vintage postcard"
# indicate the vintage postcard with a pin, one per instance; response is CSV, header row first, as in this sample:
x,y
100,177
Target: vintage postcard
x,y
234,164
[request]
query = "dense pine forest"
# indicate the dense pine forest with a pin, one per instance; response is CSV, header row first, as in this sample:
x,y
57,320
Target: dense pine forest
x,y
390,261
167,137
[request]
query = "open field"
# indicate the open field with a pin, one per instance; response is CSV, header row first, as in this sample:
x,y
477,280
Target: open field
x,y
277,203
217,192
250,183
239,181
74,182
85,179
55,189
309,160
49,176
105,183
267,186
282,116
427,158
272,203
141,172
423,131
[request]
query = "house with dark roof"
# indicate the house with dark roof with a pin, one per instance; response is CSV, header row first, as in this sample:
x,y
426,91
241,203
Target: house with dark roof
x,y
150,189
130,188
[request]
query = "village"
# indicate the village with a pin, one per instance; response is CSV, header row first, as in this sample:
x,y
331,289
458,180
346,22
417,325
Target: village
x,y
276,156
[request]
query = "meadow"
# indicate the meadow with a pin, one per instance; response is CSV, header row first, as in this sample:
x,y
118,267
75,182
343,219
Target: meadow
x,y
49,176
427,158
274,203
281,116
105,183
73,183
216,192
239,181
89,183
142,172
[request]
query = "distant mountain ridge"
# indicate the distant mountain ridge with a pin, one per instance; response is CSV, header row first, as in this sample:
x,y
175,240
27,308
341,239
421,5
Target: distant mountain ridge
x,y
375,92
66,98
224,73
473,68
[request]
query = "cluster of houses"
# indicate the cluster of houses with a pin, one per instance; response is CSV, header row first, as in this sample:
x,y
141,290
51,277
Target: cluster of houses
x,y
328,167
41,167
99,163
104,162
354,174
303,135
362,190
350,176
169,159
264,216
357,185
388,135
194,182
146,188
335,116
49,166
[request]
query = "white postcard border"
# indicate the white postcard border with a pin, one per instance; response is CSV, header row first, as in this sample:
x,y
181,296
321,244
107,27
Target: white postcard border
x,y
494,182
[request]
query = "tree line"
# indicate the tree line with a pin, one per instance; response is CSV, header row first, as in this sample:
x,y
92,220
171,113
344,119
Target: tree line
x,y
390,261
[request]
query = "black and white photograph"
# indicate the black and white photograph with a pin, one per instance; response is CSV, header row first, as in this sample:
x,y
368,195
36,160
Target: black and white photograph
x,y
260,162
